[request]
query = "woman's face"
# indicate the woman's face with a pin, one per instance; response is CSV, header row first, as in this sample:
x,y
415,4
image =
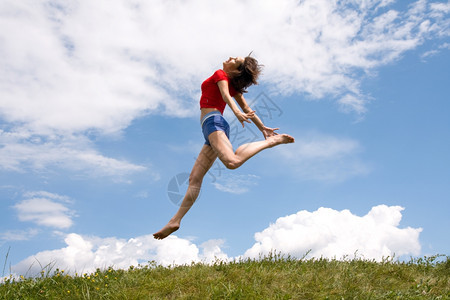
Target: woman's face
x,y
232,63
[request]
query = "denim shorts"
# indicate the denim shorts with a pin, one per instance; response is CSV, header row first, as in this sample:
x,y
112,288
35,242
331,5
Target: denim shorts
x,y
214,121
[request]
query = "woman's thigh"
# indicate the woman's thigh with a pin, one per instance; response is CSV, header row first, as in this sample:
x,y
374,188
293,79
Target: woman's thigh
x,y
221,145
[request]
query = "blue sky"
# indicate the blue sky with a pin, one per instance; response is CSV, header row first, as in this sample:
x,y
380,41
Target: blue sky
x,y
99,115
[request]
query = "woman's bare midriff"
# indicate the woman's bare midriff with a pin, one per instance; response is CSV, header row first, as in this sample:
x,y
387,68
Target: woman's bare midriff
x,y
207,110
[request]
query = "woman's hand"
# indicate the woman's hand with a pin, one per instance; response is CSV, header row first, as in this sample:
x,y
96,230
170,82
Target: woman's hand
x,y
267,131
244,117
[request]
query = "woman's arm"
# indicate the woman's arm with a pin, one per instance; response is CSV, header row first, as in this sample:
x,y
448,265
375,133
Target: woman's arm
x,y
242,117
267,131
243,104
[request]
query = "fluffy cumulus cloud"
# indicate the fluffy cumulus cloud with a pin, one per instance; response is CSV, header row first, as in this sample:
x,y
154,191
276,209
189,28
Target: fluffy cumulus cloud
x,y
86,254
94,66
338,234
45,209
317,156
326,232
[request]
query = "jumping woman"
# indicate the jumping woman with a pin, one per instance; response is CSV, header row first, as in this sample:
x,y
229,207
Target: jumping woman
x,y
232,80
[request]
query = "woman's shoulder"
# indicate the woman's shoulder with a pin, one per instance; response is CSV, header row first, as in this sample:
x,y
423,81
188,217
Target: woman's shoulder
x,y
220,71
220,75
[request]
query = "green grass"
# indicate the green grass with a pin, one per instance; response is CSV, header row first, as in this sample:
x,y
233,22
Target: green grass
x,y
272,277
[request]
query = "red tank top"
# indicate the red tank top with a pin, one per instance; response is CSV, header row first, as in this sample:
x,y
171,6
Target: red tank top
x,y
211,97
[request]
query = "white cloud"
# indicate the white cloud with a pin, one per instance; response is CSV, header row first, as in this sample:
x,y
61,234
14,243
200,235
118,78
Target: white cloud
x,y
212,251
316,156
69,68
326,232
86,254
18,235
355,103
45,194
235,184
430,53
439,10
338,234
45,209
66,67
21,151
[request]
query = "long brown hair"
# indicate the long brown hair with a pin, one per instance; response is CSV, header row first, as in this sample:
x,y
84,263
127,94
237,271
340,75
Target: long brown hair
x,y
246,74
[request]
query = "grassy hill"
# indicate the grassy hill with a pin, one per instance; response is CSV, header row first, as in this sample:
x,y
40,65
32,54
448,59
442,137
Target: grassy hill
x,y
271,277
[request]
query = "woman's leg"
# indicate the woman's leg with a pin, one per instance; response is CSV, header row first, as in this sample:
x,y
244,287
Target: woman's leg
x,y
203,163
232,160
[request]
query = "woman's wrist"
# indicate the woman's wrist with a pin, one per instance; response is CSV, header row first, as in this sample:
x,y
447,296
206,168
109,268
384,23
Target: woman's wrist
x,y
236,111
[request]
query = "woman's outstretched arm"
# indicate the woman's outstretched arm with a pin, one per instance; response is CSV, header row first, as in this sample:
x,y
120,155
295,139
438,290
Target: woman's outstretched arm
x,y
241,116
267,131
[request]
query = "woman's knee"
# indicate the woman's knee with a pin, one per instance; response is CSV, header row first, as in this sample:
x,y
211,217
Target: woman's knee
x,y
232,163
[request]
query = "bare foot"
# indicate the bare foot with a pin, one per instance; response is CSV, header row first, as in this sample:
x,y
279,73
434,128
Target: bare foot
x,y
280,139
166,230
